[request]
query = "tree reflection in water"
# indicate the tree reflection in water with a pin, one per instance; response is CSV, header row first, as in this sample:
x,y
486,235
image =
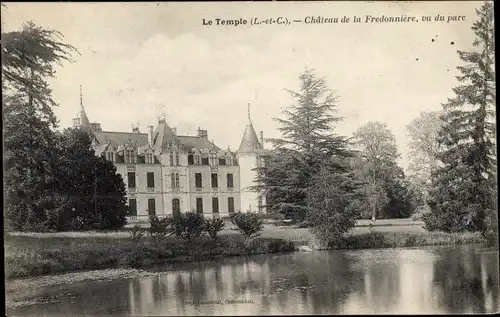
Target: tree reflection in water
x,y
425,280
468,280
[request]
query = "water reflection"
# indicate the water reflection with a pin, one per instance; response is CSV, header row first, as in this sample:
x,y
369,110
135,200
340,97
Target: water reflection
x,y
431,280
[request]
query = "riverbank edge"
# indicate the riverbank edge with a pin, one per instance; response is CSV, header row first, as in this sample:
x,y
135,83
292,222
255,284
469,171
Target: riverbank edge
x,y
16,287
144,254
58,259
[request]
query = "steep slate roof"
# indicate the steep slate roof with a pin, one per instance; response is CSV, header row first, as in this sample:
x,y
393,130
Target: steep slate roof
x,y
84,120
190,142
120,138
162,135
249,142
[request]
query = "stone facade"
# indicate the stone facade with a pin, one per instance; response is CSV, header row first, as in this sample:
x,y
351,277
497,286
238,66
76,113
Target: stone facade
x,y
165,173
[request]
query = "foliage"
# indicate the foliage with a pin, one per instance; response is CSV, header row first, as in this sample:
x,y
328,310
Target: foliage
x,y
376,166
136,233
53,181
192,225
28,59
29,164
424,148
248,224
213,226
307,141
96,188
461,197
403,200
331,200
160,227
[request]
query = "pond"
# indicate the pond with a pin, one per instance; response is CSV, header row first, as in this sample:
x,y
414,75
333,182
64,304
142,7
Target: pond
x,y
437,280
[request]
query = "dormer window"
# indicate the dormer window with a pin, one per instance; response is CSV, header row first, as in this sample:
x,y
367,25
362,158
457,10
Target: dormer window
x,y
149,158
177,158
197,160
213,159
229,160
130,157
171,159
110,156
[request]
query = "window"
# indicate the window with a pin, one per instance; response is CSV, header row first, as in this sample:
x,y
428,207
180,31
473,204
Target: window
x,y
110,156
132,207
222,161
204,161
214,180
230,204
230,180
176,207
130,157
197,160
151,206
150,179
215,205
229,160
131,180
213,159
198,180
177,159
171,159
260,204
149,158
199,205
190,159
172,180
177,180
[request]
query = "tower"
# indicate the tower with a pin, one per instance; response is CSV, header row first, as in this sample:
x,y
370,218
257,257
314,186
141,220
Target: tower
x,y
249,157
81,120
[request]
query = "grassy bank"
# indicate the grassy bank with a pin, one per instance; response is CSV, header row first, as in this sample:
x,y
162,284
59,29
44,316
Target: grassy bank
x,y
380,240
40,254
31,256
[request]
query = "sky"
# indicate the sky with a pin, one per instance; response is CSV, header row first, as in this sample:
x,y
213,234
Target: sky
x,y
139,60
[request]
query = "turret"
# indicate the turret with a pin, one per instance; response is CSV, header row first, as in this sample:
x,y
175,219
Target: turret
x,y
248,155
82,121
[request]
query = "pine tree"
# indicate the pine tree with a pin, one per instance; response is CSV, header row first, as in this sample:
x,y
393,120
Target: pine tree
x,y
308,149
462,196
28,59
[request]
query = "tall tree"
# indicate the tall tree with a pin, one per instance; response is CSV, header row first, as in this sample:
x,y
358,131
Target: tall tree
x,y
462,196
378,155
424,148
308,153
91,182
28,60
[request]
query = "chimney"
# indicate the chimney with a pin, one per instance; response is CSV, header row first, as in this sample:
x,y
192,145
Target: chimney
x,y
135,129
150,134
202,133
262,138
96,126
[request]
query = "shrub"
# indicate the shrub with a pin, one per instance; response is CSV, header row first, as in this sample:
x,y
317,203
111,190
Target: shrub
x,y
191,225
249,224
491,227
136,233
213,226
159,227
